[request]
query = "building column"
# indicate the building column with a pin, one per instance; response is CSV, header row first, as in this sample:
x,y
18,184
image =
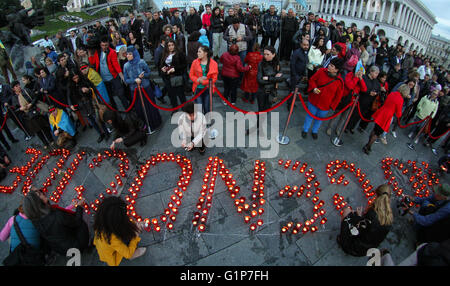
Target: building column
x,y
422,29
391,12
366,14
343,8
399,12
383,8
413,27
406,19
348,7
326,6
403,16
360,10
354,8
413,21
374,15
336,7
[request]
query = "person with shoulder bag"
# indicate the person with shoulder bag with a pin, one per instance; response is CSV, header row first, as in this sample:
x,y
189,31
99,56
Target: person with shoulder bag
x,y
173,66
360,230
35,121
25,242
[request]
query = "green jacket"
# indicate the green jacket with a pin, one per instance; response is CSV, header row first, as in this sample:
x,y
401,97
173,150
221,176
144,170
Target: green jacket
x,y
427,107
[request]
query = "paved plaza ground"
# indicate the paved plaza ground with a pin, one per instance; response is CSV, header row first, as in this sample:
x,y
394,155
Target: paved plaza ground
x,y
228,240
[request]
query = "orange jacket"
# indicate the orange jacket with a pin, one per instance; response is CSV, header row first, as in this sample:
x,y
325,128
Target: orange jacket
x,y
196,73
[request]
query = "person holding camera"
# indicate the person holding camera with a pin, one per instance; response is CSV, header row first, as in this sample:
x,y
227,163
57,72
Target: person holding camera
x,y
360,230
432,220
238,34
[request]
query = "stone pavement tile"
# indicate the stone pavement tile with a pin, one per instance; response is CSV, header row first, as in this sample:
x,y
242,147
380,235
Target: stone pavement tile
x,y
336,257
190,197
315,245
179,250
149,206
281,250
247,252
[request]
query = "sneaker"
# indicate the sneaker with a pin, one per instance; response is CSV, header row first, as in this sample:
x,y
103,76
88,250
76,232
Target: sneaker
x,y
410,146
314,136
329,131
394,134
139,252
224,103
377,141
100,138
366,150
383,140
233,103
434,151
410,135
416,141
304,134
28,138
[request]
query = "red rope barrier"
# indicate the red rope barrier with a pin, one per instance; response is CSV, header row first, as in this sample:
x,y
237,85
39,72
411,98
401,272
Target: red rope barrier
x,y
255,112
112,108
432,137
412,123
360,114
174,108
325,118
57,101
4,121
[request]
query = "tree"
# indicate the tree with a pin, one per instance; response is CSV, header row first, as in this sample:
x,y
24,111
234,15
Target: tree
x,y
52,6
37,4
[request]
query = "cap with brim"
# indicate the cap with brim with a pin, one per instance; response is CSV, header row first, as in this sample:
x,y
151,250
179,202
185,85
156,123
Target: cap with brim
x,y
443,190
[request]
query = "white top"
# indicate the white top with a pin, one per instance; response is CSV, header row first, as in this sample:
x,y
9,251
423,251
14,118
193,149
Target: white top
x,y
188,128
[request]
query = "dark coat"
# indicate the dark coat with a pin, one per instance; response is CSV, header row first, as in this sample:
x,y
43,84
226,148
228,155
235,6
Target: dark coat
x,y
299,60
192,49
155,31
63,44
178,62
193,23
63,230
372,85
217,24
266,69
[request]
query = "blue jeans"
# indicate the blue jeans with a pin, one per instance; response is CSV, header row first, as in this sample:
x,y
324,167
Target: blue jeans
x,y
203,99
316,112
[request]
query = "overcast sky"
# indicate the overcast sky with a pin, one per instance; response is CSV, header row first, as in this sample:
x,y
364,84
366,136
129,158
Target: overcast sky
x,y
440,9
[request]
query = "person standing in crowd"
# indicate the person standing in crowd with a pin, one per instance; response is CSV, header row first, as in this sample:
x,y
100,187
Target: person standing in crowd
x,y
203,69
63,43
334,53
372,51
155,31
364,57
116,236
193,22
229,19
135,27
179,38
394,75
106,64
117,40
253,21
351,58
173,66
60,229
250,82
176,20
5,91
353,85
238,34
192,47
428,106
217,30
289,26
192,129
271,27
206,22
312,27
33,116
315,56
48,87
133,41
325,90
124,29
48,43
10,102
137,75
203,39
424,69
383,116
269,74
232,67
362,230
74,42
299,61
366,100
6,65
82,98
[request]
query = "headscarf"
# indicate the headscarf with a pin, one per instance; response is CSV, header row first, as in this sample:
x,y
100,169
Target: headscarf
x,y
136,57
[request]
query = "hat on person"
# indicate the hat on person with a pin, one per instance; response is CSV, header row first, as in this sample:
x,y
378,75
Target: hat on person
x,y
202,31
443,190
337,63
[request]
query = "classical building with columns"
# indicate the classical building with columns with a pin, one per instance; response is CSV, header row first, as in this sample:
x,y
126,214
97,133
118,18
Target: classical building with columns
x,y
407,22
439,50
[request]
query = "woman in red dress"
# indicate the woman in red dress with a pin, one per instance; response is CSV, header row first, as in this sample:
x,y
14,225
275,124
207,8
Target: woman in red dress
x,y
383,116
249,82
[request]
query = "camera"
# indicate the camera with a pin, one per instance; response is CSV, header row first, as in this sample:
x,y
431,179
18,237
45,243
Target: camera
x,y
403,205
234,41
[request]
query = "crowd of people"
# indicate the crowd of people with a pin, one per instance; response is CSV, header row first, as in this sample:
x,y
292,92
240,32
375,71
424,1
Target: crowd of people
x,y
98,77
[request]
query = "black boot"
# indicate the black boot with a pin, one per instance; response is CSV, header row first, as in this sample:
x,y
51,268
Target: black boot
x,y
100,138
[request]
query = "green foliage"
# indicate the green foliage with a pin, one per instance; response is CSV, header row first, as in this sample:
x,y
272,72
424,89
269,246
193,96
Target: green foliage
x,y
53,6
8,6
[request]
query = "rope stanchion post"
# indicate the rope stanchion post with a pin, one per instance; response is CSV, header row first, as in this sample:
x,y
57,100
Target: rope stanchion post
x,y
213,133
337,141
143,108
282,138
422,130
20,123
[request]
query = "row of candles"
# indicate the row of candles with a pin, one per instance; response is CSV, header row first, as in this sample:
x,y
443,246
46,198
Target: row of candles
x,y
333,167
422,179
23,170
171,212
250,209
298,191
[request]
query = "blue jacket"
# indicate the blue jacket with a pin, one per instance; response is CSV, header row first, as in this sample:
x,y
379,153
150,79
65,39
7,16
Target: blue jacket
x,y
29,232
271,24
428,220
132,71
